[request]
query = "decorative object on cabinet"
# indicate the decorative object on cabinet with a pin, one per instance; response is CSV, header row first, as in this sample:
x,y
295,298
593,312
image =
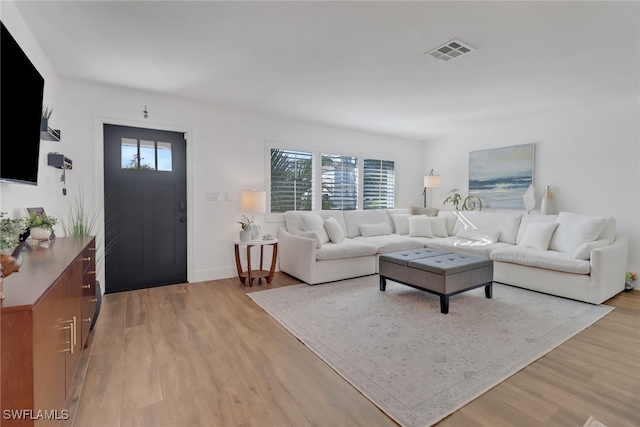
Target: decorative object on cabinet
x,y
10,264
83,220
47,133
39,224
10,230
529,199
430,181
253,201
501,176
547,206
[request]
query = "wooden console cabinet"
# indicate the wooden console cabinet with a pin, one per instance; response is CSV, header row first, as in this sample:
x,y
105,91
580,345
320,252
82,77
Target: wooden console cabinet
x,y
45,319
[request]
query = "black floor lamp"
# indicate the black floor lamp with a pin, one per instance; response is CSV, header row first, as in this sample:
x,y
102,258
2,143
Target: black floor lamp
x,y
430,181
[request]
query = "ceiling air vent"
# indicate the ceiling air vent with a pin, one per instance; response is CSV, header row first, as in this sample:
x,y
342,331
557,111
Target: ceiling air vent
x,y
450,50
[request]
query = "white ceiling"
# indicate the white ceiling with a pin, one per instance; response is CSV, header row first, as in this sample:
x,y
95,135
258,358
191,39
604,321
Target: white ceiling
x,y
358,65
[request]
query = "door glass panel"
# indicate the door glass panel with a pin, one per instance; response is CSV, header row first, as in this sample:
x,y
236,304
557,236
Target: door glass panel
x,y
164,156
129,153
147,155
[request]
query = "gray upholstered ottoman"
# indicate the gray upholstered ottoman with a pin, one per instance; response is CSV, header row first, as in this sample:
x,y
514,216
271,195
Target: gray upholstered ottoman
x,y
437,272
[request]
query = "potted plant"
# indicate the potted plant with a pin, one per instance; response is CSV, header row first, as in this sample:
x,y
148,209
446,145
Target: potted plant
x,y
245,223
454,198
10,230
40,225
630,280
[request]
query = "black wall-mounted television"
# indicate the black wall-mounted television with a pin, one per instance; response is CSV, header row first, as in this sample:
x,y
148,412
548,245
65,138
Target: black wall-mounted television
x,y
21,89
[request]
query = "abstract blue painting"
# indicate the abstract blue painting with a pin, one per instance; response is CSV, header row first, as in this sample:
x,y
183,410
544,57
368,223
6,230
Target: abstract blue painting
x,y
500,176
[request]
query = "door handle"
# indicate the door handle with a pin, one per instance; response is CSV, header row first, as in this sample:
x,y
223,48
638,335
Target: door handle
x,y
183,219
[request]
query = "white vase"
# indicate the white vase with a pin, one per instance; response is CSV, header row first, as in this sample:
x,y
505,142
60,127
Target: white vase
x,y
39,233
547,205
245,235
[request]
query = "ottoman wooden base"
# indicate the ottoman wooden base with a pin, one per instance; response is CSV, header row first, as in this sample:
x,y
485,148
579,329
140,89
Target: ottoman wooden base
x,y
442,274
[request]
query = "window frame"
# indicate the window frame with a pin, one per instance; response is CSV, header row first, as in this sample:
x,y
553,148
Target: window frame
x,y
316,160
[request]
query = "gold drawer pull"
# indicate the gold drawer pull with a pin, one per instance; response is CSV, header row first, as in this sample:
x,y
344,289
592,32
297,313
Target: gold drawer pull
x,y
87,286
92,249
93,300
88,258
88,319
91,272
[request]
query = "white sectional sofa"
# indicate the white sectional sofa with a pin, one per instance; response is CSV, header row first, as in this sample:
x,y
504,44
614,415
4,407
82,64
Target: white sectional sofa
x,y
569,255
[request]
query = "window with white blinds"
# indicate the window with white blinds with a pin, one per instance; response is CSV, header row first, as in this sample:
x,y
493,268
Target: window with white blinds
x,y
378,178
339,182
291,180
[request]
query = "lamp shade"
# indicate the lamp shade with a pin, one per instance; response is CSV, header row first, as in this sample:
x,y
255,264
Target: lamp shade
x,y
253,201
432,181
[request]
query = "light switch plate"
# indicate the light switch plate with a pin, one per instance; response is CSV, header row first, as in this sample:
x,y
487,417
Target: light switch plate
x,y
213,196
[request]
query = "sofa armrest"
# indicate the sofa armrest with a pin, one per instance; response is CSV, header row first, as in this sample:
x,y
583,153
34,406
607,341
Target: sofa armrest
x,y
608,267
297,254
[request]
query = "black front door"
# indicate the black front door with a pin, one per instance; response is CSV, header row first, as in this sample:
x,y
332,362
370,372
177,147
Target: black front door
x,y
145,189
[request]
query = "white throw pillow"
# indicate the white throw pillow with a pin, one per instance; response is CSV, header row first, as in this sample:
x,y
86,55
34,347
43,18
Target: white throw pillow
x,y
584,251
439,226
312,221
368,230
420,226
401,222
574,230
309,235
335,232
478,235
538,235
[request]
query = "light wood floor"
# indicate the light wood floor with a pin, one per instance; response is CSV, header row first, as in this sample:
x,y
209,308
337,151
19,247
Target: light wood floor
x,y
204,354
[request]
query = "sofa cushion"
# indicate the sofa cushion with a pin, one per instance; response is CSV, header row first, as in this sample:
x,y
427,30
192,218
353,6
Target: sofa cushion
x,y
418,210
479,235
368,230
506,223
608,230
551,260
528,219
439,227
390,243
574,230
354,219
451,219
471,247
391,213
584,251
293,221
313,222
348,248
401,223
334,230
309,235
420,226
538,235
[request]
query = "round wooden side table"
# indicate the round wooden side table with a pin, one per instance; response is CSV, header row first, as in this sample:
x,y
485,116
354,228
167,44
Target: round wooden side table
x,y
256,274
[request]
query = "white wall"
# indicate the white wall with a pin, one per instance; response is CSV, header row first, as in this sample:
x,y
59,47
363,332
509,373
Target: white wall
x,y
589,156
15,197
226,154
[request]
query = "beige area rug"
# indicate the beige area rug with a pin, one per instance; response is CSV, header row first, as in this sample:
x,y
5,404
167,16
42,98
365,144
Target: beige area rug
x,y
416,364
